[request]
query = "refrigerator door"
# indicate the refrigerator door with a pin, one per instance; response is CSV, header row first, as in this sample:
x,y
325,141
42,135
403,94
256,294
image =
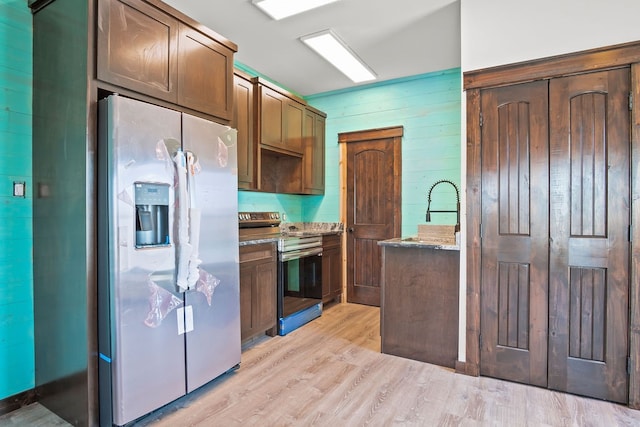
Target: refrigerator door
x,y
141,346
212,309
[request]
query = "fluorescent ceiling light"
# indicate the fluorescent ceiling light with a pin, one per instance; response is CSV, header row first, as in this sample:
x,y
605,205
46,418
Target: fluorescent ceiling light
x,y
330,47
278,9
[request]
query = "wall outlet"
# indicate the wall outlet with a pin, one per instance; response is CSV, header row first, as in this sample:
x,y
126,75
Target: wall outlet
x,y
19,188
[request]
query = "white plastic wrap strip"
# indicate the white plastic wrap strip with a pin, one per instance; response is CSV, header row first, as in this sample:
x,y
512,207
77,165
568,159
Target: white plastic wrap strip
x,y
194,240
193,167
183,248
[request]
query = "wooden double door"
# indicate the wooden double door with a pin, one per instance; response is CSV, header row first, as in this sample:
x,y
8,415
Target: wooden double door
x,y
555,233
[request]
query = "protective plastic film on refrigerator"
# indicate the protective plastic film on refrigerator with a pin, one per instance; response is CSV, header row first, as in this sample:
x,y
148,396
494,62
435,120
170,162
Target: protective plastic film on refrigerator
x,y
168,308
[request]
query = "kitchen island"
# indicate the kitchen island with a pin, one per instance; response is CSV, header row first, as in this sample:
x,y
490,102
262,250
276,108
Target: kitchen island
x,y
419,304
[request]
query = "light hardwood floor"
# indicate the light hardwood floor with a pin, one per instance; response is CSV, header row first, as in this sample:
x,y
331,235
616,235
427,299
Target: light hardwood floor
x,y
331,373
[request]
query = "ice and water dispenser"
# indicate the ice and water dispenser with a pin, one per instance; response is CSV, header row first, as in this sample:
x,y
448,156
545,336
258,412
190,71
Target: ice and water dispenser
x,y
152,214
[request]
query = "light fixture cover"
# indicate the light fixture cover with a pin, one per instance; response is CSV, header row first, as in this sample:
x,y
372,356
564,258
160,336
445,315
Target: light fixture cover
x,y
279,9
328,45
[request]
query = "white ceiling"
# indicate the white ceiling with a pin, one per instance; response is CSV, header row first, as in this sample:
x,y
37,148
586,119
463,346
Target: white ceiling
x,y
396,38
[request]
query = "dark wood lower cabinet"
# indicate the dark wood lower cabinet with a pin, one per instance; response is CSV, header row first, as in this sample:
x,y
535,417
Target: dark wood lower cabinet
x,y
258,275
419,307
331,267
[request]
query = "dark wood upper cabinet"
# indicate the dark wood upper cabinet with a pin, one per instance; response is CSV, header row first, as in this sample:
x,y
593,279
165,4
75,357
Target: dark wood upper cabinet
x,y
149,48
313,142
271,117
244,121
287,142
138,48
281,118
205,74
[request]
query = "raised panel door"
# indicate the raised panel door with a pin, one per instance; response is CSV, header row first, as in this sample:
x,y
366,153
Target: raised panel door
x,y
515,231
589,251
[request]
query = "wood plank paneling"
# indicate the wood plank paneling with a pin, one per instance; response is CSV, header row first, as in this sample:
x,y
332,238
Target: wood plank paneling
x,y
428,107
16,304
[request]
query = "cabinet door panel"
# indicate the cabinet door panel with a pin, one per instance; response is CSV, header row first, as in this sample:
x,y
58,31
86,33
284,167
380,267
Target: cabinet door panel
x,y
243,119
137,48
294,114
313,140
271,117
205,70
265,295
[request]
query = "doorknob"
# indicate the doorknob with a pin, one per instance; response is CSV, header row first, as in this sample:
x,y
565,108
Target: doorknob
x,y
350,229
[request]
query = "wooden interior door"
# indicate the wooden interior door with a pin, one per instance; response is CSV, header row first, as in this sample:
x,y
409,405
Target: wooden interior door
x,y
555,240
515,233
373,207
590,219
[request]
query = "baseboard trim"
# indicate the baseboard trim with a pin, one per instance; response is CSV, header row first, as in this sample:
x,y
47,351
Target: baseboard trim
x,y
17,401
466,368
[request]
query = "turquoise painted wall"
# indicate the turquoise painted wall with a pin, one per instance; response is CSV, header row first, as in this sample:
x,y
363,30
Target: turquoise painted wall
x,y
428,106
16,293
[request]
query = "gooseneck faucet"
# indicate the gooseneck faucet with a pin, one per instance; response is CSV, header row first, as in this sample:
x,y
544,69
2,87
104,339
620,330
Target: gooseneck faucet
x,y
457,211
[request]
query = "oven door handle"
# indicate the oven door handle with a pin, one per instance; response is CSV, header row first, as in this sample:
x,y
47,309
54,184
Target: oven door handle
x,y
290,256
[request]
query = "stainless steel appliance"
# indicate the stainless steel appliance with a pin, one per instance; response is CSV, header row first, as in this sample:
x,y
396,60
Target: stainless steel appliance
x,y
168,287
299,268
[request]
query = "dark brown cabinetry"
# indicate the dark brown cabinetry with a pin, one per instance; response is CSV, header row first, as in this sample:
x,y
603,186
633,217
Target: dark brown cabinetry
x,y
314,142
257,290
244,121
148,48
205,74
280,139
280,120
331,267
419,309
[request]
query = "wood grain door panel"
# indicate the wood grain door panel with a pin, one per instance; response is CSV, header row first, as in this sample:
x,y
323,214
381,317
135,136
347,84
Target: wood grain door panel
x,y
515,232
589,253
373,208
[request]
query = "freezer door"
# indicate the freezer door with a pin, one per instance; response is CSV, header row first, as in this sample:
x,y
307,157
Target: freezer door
x,y
141,346
213,337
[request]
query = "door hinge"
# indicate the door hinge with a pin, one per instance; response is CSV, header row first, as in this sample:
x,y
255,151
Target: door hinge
x,y
481,231
481,119
630,101
630,232
480,339
628,366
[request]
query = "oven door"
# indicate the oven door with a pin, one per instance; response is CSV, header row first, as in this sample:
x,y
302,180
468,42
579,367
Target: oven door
x,y
299,280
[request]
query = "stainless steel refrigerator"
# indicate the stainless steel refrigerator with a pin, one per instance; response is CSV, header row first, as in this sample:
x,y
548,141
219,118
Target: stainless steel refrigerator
x,y
168,288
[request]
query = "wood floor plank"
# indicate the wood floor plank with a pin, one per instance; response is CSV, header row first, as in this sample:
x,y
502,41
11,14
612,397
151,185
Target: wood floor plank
x,y
330,372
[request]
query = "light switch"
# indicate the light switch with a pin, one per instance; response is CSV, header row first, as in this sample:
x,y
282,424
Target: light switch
x,y
19,188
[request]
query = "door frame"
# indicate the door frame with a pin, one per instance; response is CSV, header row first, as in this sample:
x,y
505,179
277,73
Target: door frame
x,y
622,55
395,132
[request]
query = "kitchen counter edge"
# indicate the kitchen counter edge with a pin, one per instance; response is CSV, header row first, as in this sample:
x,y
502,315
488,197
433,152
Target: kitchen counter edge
x,y
414,242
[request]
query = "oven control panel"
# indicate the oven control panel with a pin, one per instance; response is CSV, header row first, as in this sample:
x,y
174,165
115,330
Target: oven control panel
x,y
258,219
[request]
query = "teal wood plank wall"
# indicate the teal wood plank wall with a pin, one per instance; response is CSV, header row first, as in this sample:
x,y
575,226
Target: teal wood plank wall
x,y
428,107
16,289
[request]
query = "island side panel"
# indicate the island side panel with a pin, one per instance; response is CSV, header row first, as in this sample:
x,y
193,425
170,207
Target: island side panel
x,y
420,304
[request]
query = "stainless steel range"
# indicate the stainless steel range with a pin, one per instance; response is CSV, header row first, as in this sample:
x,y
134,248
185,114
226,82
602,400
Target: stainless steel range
x,y
299,267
